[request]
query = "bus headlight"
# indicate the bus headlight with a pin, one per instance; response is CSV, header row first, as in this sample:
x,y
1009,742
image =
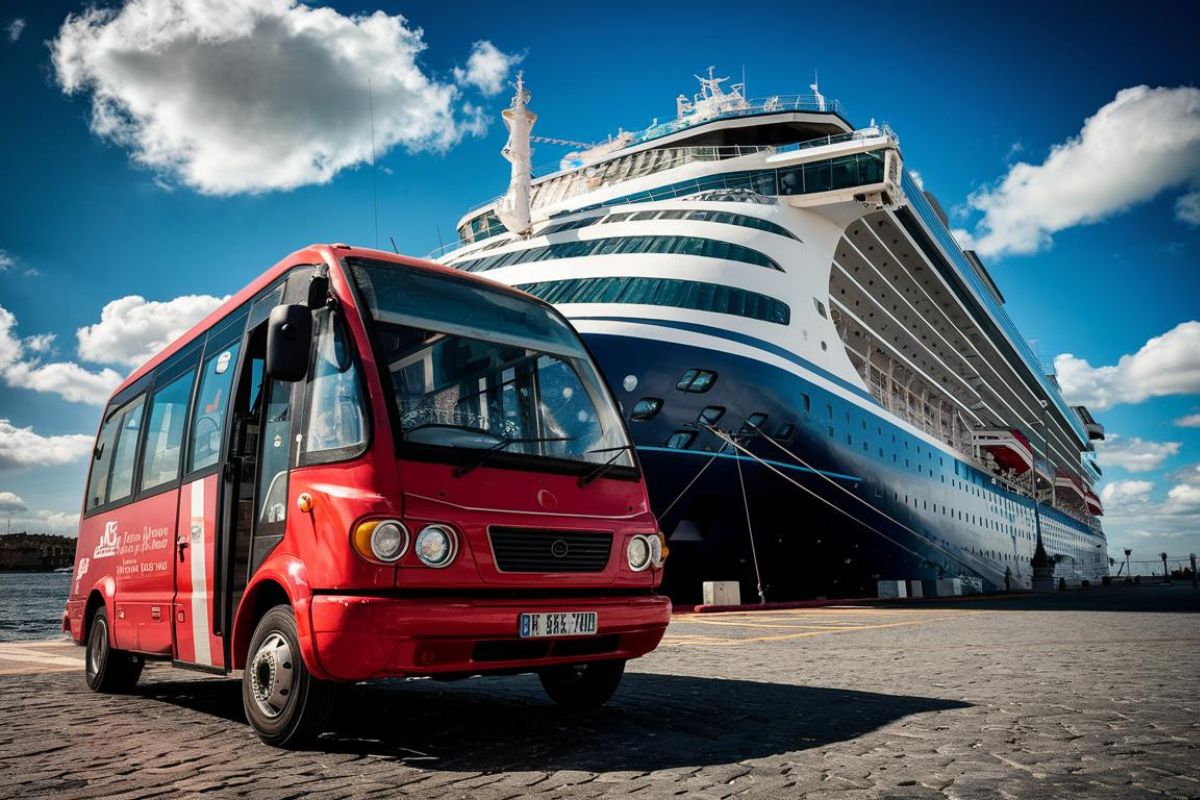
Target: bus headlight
x,y
381,540
658,549
437,545
638,553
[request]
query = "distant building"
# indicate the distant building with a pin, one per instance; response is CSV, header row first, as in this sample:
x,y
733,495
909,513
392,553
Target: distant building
x,y
31,552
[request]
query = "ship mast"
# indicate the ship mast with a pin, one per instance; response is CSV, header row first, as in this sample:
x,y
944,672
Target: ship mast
x,y
514,208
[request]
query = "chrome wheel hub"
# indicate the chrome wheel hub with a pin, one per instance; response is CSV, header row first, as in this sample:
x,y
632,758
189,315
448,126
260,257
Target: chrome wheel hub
x,y
272,673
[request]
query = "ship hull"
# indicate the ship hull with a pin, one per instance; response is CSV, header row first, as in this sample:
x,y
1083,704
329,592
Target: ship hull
x,y
848,497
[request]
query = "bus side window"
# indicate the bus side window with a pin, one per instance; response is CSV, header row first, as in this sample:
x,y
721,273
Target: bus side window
x,y
335,414
208,418
102,461
120,485
164,436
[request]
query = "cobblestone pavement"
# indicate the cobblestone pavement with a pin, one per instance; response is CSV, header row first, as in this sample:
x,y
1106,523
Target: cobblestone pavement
x,y
1063,696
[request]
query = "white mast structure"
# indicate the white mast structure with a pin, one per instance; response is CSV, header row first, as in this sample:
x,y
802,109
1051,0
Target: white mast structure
x,y
513,208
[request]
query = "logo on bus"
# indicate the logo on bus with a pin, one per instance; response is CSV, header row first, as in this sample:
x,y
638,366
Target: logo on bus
x,y
110,541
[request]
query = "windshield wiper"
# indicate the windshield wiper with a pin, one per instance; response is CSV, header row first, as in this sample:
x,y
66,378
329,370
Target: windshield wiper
x,y
606,466
463,469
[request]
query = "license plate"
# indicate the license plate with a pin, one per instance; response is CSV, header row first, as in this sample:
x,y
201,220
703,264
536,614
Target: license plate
x,y
557,623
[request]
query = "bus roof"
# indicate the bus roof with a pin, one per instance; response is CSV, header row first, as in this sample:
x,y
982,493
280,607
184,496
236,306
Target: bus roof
x,y
314,253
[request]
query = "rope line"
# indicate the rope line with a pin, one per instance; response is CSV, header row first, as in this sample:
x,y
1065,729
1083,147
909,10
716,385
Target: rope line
x,y
762,596
729,440
880,511
679,496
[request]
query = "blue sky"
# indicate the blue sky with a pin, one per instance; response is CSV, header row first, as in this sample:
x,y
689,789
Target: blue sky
x,y
93,215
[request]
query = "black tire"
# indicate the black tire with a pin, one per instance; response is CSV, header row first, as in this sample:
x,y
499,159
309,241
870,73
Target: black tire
x,y
285,705
105,668
582,687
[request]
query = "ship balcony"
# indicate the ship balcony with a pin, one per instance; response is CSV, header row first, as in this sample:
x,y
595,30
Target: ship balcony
x,y
1095,431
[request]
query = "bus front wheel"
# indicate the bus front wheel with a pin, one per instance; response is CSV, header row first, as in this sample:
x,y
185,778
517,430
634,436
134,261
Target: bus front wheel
x,y
285,705
107,669
582,687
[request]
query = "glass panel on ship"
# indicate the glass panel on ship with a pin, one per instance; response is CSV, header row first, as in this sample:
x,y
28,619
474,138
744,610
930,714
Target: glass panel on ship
x,y
885,417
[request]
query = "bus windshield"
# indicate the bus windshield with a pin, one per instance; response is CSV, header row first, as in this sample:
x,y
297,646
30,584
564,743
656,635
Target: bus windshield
x,y
482,369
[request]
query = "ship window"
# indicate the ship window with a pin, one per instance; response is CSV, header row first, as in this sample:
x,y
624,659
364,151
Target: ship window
x,y
645,409
641,215
806,402
711,414
663,292
620,216
680,440
696,380
686,245
673,213
820,308
754,423
785,432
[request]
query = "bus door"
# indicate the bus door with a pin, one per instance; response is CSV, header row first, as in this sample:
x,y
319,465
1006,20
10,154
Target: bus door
x,y
197,631
254,494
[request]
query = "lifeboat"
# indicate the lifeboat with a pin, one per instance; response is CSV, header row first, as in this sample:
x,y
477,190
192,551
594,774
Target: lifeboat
x,y
1008,446
1093,503
1069,486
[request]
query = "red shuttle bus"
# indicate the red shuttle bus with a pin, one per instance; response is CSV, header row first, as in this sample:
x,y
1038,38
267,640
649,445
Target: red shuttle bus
x,y
367,466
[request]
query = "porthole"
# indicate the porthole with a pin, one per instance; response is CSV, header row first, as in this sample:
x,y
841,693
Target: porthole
x,y
681,440
646,409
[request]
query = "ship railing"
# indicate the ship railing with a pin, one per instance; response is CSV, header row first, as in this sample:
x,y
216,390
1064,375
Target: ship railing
x,y
591,177
776,104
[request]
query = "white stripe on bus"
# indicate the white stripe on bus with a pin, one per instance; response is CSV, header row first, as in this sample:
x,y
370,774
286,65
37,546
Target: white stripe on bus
x,y
199,578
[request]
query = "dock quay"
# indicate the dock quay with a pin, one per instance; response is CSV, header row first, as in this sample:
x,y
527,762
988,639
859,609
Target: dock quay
x,y
1077,694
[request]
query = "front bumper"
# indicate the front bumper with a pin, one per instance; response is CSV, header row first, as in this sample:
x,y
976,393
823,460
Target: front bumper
x,y
358,637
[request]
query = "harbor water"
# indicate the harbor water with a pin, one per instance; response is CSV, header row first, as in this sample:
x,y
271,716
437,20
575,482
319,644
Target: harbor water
x,y
31,604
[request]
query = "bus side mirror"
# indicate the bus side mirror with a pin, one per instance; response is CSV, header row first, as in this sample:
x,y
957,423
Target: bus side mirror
x,y
289,340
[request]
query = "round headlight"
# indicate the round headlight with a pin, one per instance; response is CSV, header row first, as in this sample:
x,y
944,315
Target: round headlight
x,y
389,540
436,546
656,549
638,553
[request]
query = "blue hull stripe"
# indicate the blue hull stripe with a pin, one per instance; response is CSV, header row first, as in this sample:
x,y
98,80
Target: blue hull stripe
x,y
779,464
746,340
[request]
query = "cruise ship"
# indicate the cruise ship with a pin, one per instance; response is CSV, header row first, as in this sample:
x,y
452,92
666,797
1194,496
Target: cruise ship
x,y
824,389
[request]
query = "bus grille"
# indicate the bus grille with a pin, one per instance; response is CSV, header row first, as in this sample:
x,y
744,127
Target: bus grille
x,y
533,550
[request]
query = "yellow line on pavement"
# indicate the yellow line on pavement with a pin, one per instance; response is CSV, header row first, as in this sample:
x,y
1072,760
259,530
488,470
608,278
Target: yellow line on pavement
x,y
805,634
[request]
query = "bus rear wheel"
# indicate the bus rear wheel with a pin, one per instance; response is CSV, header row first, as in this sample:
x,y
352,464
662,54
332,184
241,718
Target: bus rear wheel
x,y
582,687
285,705
107,669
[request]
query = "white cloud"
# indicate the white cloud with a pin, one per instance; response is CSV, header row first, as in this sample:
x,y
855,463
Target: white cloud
x,y
132,329
6,261
1172,523
21,367
1189,421
1187,208
917,179
1134,454
15,29
43,521
1144,142
1122,494
1166,365
11,503
247,96
487,68
22,447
